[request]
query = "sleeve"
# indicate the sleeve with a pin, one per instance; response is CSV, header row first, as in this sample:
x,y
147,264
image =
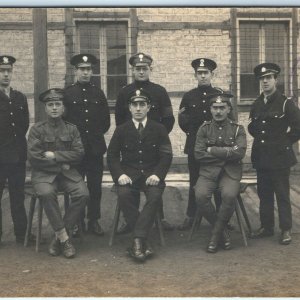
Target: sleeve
x,y
200,150
167,118
236,152
35,153
183,115
293,116
106,114
114,156
26,114
165,155
120,108
251,125
75,154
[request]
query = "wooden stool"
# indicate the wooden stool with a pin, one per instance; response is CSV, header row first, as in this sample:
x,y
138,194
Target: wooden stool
x,y
239,211
116,222
34,197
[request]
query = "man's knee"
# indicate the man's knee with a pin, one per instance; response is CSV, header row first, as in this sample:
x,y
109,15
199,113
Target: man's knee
x,y
124,193
45,191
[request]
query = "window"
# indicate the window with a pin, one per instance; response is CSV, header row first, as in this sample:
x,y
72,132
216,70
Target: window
x,y
260,42
108,42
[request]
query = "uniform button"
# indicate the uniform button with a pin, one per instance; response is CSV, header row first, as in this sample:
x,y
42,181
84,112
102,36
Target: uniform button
x,y
142,171
140,142
203,101
11,113
86,120
9,102
262,141
83,90
15,135
220,137
74,101
13,124
220,128
194,105
263,131
188,133
87,131
264,121
85,100
204,93
204,111
86,110
140,161
140,151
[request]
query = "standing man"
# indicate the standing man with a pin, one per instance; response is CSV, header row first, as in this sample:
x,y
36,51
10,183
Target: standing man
x,y
54,150
193,111
219,148
160,109
139,157
87,108
14,122
272,114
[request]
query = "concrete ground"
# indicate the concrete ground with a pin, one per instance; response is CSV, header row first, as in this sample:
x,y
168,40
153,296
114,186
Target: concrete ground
x,y
181,268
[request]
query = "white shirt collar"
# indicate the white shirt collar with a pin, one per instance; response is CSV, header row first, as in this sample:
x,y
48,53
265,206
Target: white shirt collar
x,y
136,123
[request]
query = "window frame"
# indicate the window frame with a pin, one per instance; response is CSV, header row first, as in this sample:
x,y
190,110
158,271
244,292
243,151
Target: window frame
x,y
288,80
102,22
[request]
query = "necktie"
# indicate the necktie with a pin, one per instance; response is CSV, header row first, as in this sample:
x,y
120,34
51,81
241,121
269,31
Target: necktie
x,y
140,129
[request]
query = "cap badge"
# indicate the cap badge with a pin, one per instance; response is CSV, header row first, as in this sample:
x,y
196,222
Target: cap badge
x,y
219,99
201,62
141,56
84,58
5,60
263,69
137,92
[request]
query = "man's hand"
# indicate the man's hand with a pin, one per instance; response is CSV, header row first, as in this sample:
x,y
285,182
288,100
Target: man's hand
x,y
152,180
124,179
49,155
65,167
208,149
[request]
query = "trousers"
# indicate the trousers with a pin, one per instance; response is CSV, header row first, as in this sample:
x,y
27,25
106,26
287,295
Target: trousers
x,y
15,174
270,183
47,192
228,188
140,222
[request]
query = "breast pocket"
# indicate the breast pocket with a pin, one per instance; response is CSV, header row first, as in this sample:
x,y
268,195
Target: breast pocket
x,y
66,142
3,106
49,143
211,142
229,141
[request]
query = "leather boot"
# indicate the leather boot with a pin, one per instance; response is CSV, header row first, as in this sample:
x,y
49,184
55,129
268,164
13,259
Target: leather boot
x,y
225,240
212,246
137,250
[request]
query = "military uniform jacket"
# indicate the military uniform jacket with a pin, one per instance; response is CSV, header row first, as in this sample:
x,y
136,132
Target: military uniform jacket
x,y
195,110
87,108
228,147
64,140
14,122
135,156
161,107
269,123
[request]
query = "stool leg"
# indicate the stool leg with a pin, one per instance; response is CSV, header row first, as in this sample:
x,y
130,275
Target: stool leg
x,y
239,219
115,225
241,204
30,217
196,223
160,229
40,219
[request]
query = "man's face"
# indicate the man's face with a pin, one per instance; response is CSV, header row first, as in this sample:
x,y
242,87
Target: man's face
x,y
204,77
54,109
5,75
268,83
139,110
220,111
84,74
141,72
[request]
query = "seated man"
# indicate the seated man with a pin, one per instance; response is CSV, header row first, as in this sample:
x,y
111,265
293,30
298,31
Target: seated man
x,y
54,149
139,156
220,146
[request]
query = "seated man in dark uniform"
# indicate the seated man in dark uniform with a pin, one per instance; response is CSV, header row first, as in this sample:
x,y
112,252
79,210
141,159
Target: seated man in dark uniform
x,y
54,150
139,156
219,148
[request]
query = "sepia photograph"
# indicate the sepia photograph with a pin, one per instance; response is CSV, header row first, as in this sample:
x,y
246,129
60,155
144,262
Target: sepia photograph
x,y
149,151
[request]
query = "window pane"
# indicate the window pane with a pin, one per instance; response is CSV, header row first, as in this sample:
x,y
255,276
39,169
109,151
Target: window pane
x,y
276,49
89,43
114,84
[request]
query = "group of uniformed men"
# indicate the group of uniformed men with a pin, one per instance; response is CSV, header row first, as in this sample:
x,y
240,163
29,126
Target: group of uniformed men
x,y
69,147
